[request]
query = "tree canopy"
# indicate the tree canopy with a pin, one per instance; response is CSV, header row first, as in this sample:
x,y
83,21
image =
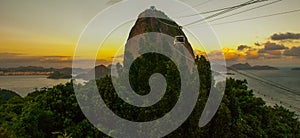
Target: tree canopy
x,y
54,112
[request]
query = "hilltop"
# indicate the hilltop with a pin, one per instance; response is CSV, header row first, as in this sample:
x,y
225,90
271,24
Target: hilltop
x,y
295,69
247,66
52,73
99,72
5,95
153,20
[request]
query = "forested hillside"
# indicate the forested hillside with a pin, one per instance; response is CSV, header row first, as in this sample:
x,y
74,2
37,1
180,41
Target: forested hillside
x,y
54,112
6,95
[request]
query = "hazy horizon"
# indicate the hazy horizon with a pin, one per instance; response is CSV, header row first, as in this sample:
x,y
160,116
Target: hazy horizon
x,y
32,34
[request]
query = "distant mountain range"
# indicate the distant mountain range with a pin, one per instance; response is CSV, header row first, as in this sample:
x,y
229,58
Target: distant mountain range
x,y
54,73
27,69
5,95
33,70
295,69
99,72
247,66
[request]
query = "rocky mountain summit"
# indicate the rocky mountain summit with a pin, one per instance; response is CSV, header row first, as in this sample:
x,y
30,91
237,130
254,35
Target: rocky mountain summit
x,y
153,20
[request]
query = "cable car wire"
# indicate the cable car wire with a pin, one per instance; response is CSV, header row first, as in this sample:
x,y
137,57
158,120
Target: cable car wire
x,y
259,17
248,72
271,83
264,81
217,14
206,12
245,10
225,11
197,5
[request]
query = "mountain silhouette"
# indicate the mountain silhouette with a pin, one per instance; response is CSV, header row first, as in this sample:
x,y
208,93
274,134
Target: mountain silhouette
x,y
99,72
153,20
247,66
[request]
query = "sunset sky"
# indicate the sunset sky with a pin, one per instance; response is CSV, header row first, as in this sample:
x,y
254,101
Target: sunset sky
x,y
45,33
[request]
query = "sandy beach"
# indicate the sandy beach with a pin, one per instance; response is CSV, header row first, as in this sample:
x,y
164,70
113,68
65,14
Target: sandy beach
x,y
270,101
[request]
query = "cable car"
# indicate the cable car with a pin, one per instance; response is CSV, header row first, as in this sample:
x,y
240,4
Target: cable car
x,y
180,39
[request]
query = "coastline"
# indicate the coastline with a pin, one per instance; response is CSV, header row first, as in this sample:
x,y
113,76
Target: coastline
x,y
24,84
263,83
23,73
270,101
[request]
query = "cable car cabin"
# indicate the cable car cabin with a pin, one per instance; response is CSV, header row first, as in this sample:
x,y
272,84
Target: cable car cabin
x,y
179,40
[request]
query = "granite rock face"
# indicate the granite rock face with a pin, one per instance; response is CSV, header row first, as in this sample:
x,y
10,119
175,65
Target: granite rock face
x,y
153,20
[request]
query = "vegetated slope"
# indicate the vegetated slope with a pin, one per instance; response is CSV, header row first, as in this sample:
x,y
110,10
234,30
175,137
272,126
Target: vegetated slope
x,y
5,95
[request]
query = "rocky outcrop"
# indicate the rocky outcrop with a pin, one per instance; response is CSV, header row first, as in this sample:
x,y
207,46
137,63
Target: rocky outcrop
x,y
153,20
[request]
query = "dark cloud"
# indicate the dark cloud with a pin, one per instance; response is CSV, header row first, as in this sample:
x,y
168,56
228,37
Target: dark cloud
x,y
288,35
294,51
242,47
257,44
274,46
271,49
261,51
268,56
270,52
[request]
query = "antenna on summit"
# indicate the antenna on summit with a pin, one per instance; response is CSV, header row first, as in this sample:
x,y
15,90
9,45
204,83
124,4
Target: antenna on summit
x,y
153,8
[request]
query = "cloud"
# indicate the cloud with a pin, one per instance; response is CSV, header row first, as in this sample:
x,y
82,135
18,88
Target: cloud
x,y
274,46
17,59
252,54
275,52
216,55
257,44
56,59
288,35
265,54
271,50
294,51
9,55
244,52
235,55
242,47
230,54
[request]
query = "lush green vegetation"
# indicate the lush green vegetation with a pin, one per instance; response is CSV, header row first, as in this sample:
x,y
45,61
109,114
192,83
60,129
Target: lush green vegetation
x,y
6,95
54,112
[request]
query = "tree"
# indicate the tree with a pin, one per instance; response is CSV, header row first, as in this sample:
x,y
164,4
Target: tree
x,y
53,112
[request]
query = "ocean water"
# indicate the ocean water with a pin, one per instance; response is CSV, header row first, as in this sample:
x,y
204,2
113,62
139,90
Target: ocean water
x,y
281,87
25,84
